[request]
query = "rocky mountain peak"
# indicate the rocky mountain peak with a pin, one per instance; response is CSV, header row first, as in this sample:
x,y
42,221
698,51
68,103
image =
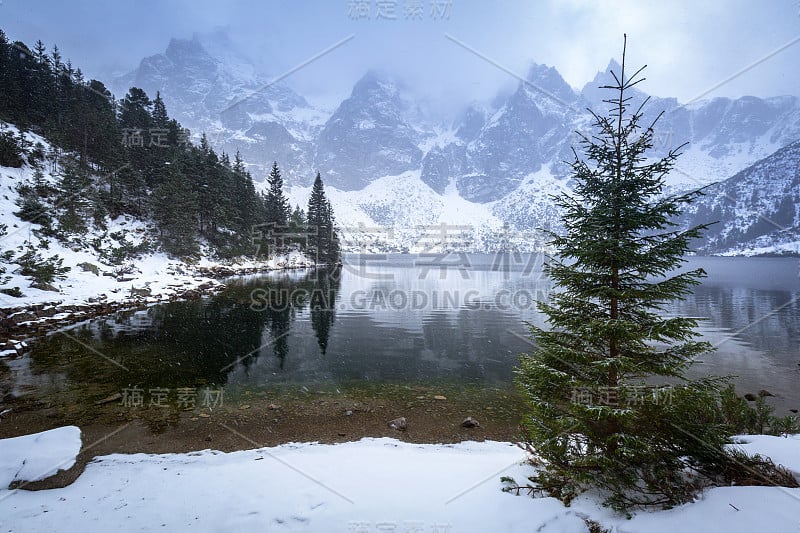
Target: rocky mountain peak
x,y
550,82
187,51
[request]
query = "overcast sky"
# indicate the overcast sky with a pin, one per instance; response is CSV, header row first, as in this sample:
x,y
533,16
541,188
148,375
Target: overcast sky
x,y
690,46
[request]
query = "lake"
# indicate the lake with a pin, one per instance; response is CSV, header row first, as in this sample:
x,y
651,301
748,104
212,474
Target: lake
x,y
397,319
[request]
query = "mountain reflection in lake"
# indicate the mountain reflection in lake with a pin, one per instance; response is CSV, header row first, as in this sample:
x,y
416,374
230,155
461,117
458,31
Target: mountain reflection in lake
x,y
403,319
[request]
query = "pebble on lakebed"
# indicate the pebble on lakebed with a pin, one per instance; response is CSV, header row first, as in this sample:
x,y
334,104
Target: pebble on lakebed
x,y
399,424
470,422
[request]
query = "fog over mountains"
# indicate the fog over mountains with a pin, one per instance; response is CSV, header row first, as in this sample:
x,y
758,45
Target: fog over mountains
x,y
392,164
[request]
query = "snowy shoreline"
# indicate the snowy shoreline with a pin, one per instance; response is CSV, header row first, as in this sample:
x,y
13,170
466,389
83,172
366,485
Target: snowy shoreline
x,y
353,486
34,315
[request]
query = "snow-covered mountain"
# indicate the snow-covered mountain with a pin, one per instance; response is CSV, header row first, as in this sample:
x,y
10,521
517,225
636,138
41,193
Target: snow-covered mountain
x,y
236,106
368,136
498,162
756,211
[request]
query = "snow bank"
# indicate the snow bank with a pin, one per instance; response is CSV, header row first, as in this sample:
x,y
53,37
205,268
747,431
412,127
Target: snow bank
x,y
728,509
782,450
370,485
38,456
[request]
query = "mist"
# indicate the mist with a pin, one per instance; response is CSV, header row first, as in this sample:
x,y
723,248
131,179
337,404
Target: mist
x,y
447,53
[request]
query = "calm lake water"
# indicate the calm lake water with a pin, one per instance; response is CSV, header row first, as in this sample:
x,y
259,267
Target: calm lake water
x,y
400,319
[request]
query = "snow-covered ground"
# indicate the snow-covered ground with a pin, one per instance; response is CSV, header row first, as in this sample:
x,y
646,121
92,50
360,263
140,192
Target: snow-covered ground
x,y
149,277
370,485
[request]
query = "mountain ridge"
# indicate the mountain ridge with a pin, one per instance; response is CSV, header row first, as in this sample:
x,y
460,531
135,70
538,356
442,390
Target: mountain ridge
x,y
490,156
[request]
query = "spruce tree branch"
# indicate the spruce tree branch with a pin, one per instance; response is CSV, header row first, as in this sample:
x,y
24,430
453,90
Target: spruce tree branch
x,y
756,473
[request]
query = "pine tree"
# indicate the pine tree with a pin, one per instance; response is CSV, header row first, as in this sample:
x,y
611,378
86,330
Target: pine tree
x,y
213,190
175,209
5,76
238,163
102,132
276,211
55,61
75,199
277,204
332,248
246,208
297,225
600,412
40,53
323,241
160,116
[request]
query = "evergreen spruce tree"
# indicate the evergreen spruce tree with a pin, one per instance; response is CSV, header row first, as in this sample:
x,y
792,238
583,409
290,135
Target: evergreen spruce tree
x,y
246,208
238,163
276,211
323,241
135,110
332,248
5,77
297,225
213,187
277,204
601,414
160,116
75,198
40,53
55,61
175,209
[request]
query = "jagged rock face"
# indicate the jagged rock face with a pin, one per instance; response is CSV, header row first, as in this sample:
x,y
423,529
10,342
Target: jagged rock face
x,y
532,128
723,123
756,208
469,125
236,108
367,137
440,164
